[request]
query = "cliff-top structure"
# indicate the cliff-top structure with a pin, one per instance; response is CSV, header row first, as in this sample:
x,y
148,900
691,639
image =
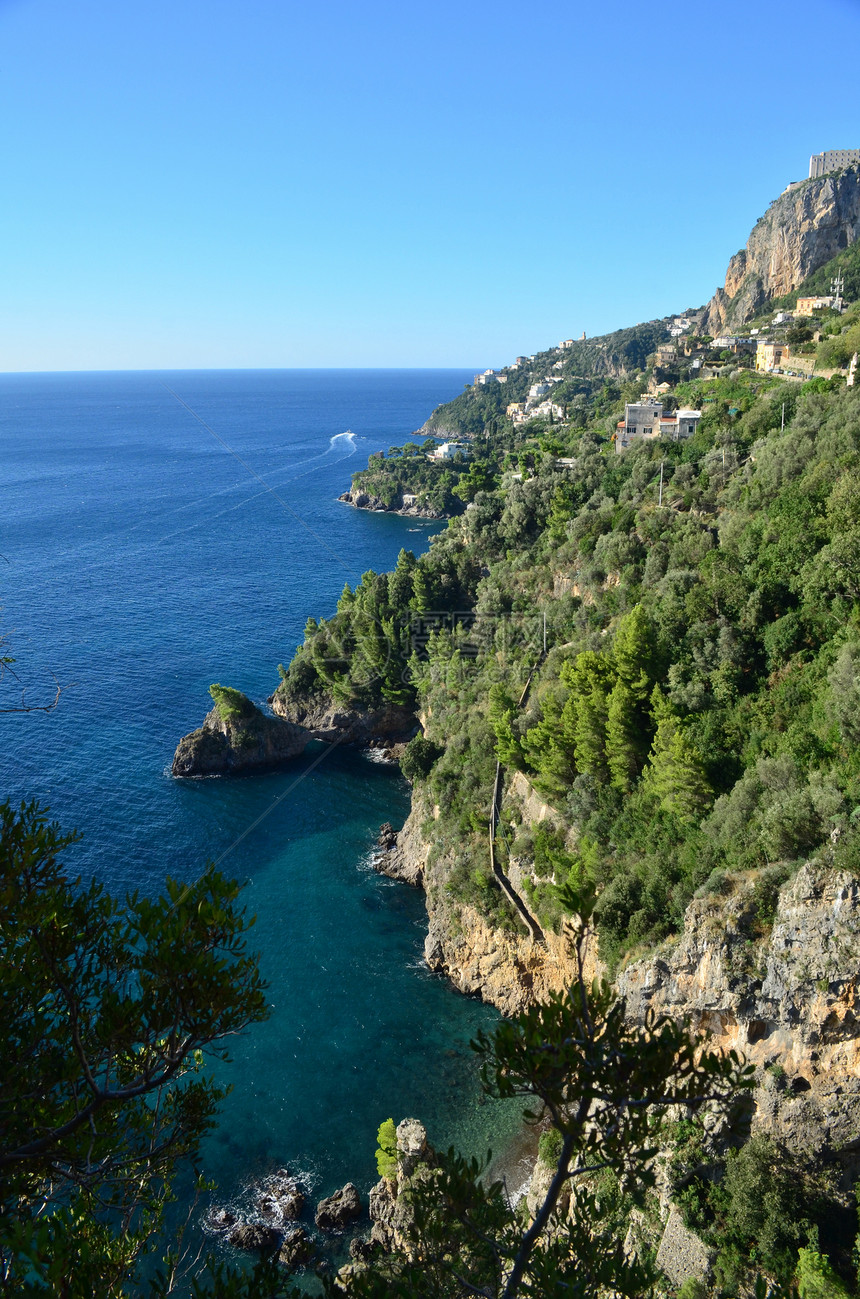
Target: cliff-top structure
x,y
832,160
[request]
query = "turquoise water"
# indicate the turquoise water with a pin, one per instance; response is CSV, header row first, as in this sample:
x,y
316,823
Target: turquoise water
x,y
141,562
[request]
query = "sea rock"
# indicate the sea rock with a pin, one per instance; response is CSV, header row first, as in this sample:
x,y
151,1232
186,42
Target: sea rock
x,y
254,1237
400,856
382,1205
387,838
392,1212
297,1248
411,1147
237,740
323,719
336,1212
220,1219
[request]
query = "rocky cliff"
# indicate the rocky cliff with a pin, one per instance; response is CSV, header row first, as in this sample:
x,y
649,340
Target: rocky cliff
x,y
323,719
786,995
504,967
237,740
801,230
771,972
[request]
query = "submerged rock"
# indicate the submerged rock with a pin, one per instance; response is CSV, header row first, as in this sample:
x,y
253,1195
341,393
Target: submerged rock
x,y
281,1200
236,736
334,1213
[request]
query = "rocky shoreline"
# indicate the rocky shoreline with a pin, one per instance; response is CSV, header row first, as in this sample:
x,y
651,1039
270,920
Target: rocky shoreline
x,y
785,996
364,501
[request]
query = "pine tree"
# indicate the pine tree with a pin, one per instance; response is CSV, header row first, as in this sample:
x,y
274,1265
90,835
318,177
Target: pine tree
x,y
675,773
502,708
623,737
400,582
590,680
635,653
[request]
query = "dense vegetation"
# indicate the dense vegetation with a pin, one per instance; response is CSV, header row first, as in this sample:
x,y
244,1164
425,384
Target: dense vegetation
x,y
694,716
666,644
440,486
695,712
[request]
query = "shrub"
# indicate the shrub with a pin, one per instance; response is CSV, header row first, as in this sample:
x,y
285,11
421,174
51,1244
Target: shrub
x,y
232,705
419,757
386,1153
549,1147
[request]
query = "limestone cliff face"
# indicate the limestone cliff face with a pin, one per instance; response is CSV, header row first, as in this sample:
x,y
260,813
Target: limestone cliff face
x,y
788,998
223,745
801,230
326,720
504,967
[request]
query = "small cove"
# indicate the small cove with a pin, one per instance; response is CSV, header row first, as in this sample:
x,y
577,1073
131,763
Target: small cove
x,y
144,564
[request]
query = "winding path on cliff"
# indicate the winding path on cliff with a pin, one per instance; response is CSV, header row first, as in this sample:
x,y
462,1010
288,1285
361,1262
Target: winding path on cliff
x,y
496,825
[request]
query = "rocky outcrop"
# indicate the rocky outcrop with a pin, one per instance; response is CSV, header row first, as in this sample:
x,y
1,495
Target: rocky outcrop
x,y
364,501
788,999
339,1210
323,719
237,740
505,967
401,856
682,1254
804,228
390,1209
297,1248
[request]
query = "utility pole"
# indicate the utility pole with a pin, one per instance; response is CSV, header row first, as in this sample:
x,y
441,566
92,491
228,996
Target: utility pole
x,y
660,501
544,631
782,425
837,287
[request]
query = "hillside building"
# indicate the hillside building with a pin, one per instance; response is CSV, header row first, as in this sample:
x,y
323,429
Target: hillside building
x,y
667,354
832,160
733,343
447,451
538,390
807,306
770,356
645,419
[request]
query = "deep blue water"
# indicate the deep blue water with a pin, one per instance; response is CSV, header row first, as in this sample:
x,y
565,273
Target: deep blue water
x,y
141,562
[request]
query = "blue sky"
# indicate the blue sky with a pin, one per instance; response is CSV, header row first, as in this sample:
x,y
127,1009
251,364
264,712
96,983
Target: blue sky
x,y
200,183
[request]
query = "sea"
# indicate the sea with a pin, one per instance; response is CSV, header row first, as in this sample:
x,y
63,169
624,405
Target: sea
x,y
163,531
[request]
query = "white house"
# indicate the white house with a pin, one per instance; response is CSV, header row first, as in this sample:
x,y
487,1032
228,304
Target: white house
x,y
447,451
